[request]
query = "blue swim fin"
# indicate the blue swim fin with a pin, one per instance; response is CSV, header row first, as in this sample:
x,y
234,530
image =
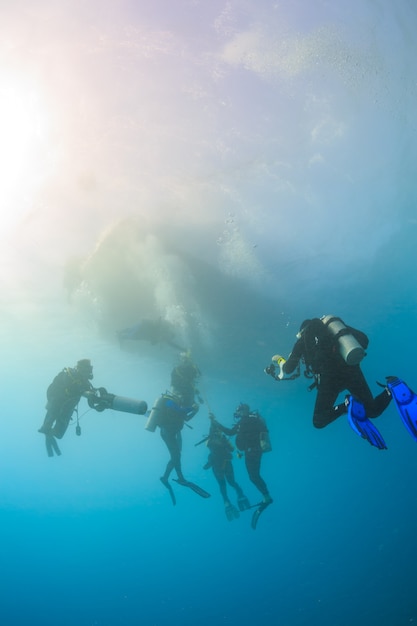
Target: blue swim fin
x,y
406,403
362,425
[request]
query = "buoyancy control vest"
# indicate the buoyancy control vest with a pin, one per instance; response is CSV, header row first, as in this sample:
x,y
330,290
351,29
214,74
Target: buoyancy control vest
x,y
67,384
168,412
253,434
217,441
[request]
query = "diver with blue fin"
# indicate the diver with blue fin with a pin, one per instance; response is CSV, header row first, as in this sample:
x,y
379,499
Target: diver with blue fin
x,y
332,352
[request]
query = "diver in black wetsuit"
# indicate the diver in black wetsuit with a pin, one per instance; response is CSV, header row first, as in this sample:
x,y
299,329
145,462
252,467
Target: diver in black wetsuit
x,y
184,378
318,351
182,407
63,395
251,438
220,460
170,413
172,417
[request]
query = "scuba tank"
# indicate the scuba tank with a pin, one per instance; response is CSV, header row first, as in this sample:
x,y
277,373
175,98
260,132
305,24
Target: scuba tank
x,y
129,405
155,414
349,347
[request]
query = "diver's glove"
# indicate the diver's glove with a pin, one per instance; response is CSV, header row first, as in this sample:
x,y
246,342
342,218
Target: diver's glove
x,y
98,399
279,361
90,393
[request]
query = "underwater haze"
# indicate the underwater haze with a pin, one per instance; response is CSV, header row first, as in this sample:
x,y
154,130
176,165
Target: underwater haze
x,y
230,167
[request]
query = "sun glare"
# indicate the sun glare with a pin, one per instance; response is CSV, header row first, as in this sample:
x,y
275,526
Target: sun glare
x,y
22,149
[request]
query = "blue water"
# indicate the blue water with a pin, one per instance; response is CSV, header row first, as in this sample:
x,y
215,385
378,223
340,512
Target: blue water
x,y
233,168
92,537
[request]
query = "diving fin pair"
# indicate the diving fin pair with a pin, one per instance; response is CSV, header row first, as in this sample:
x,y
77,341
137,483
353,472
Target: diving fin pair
x,y
243,503
362,425
406,402
231,512
198,490
52,445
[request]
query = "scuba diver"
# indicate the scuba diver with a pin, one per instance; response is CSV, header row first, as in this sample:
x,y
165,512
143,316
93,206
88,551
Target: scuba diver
x,y
252,439
154,331
63,396
331,352
184,378
220,461
171,411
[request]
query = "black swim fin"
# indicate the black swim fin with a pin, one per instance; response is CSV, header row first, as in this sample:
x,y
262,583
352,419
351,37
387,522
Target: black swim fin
x,y
406,402
52,446
198,490
261,508
362,425
166,484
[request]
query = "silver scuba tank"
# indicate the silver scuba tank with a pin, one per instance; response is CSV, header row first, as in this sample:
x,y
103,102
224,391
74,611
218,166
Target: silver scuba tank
x,y
349,347
156,414
129,405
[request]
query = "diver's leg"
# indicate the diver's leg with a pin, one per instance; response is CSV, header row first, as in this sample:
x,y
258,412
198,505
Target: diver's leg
x,y
166,437
173,442
168,470
324,410
230,477
49,447
62,422
220,473
359,388
47,423
253,466
177,457
219,476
